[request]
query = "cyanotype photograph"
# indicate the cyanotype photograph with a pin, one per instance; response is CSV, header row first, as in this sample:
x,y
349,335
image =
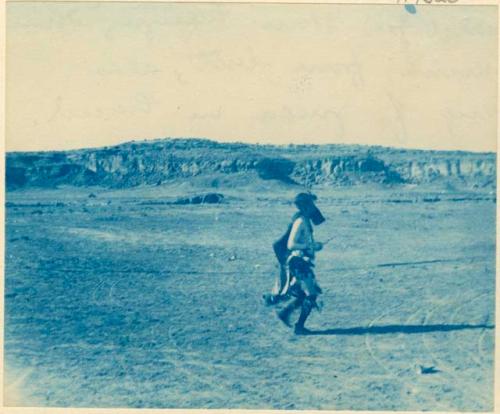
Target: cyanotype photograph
x,y
250,206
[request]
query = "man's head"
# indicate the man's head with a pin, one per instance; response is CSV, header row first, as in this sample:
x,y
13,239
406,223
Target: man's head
x,y
305,203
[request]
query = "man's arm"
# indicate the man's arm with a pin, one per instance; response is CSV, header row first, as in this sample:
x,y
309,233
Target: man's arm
x,y
296,238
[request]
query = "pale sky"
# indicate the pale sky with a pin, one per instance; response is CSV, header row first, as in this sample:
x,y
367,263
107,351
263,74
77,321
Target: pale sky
x,y
90,74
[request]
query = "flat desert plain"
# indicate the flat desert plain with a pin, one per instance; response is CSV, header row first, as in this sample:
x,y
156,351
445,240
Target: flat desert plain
x,y
117,298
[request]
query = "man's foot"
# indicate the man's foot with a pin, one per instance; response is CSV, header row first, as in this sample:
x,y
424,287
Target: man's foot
x,y
284,317
269,299
301,330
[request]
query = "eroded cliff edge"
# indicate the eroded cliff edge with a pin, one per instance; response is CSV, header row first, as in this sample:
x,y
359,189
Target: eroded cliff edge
x,y
155,162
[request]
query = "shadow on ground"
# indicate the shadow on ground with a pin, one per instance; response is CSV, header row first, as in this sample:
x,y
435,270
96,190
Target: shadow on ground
x,y
391,329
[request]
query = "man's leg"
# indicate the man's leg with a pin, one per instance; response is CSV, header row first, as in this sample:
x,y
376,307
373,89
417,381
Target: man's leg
x,y
307,305
285,313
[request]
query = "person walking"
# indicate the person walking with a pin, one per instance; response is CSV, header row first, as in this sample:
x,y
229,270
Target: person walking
x,y
301,283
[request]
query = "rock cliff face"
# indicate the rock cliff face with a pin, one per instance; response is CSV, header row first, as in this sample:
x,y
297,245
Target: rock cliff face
x,y
155,162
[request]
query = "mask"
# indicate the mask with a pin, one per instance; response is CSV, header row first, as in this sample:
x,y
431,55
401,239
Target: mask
x,y
316,217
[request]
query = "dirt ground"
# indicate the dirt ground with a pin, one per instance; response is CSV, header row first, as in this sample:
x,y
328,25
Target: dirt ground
x,y
120,301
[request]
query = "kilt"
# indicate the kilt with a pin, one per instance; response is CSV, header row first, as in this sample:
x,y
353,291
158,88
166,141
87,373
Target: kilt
x,y
302,278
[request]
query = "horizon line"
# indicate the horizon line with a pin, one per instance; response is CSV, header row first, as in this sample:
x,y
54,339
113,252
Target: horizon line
x,y
149,141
